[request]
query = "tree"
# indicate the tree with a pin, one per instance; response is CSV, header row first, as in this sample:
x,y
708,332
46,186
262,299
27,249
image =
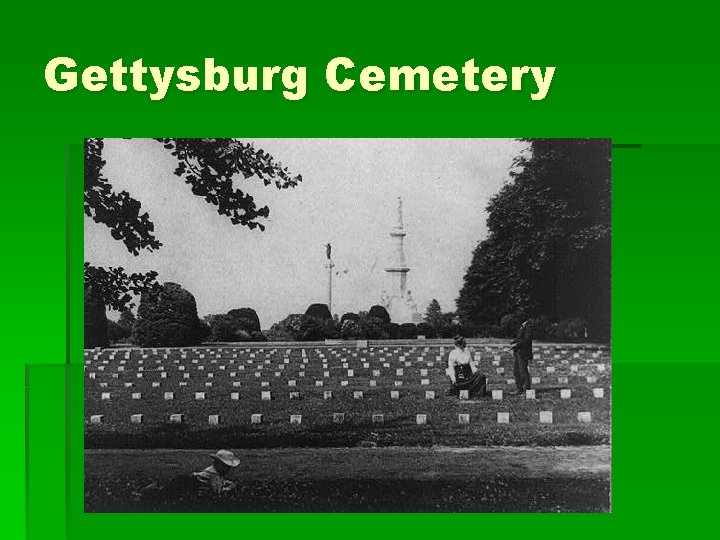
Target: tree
x,y
548,248
127,320
167,317
433,315
96,323
208,167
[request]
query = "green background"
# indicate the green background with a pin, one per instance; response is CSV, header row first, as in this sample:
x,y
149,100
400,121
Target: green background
x,y
641,75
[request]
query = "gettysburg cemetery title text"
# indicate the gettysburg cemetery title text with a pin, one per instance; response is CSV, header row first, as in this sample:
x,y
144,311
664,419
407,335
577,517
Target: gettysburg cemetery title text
x,y
63,74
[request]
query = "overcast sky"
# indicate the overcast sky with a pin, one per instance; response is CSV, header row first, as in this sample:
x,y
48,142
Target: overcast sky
x,y
347,197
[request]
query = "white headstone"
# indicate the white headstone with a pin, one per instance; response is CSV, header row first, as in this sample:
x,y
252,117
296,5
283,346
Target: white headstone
x,y
565,393
429,394
136,418
214,419
394,394
265,396
136,395
327,394
256,418
357,394
497,394
583,417
546,417
421,419
503,418
199,395
378,418
464,418
530,394
296,419
464,394
176,418
96,418
104,396
338,418
234,396
598,392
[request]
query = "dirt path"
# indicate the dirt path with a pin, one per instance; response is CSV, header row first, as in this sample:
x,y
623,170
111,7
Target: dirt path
x,y
365,463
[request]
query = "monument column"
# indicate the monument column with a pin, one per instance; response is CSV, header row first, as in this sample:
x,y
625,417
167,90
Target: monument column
x,y
329,265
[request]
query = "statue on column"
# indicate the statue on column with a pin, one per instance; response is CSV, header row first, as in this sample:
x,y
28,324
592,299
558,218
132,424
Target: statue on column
x,y
328,250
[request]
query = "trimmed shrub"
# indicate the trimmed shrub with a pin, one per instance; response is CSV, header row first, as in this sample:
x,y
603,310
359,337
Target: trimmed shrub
x,y
257,336
96,323
167,317
350,329
425,329
379,312
204,331
349,317
373,328
246,319
393,330
286,330
407,331
319,311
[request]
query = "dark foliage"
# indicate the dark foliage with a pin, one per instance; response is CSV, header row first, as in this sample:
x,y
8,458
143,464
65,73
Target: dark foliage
x,y
349,317
548,249
117,333
318,311
407,331
246,318
167,317
379,312
286,330
96,323
424,329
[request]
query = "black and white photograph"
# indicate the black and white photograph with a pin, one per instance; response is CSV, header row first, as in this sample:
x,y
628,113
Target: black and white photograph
x,y
347,325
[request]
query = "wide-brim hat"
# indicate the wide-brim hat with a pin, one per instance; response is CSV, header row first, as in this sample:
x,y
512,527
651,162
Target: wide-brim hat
x,y
227,457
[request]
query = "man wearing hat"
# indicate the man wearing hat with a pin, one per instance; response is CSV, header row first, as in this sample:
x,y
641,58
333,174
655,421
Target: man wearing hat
x,y
213,480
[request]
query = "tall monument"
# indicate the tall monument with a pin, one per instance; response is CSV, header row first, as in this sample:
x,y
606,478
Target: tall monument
x,y
398,300
329,265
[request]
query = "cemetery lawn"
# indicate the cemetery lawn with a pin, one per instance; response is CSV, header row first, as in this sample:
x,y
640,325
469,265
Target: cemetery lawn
x,y
391,479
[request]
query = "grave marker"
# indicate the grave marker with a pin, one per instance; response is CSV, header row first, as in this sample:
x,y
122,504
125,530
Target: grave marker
x,y
421,419
583,417
136,395
294,395
497,395
256,418
97,419
529,394
296,419
136,418
177,418
546,417
234,396
338,418
265,396
357,394
429,394
598,392
464,394
565,393
503,418
199,395
464,418
378,418
327,394
394,394
105,396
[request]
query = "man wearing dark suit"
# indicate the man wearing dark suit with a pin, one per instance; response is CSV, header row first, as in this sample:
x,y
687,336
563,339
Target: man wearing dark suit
x,y
522,352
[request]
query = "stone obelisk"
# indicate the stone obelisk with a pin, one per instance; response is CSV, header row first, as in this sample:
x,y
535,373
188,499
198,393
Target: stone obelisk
x,y
398,269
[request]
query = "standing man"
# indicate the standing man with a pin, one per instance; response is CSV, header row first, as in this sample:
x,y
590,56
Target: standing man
x,y
522,352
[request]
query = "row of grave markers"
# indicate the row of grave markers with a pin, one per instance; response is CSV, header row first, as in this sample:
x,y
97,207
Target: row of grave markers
x,y
565,393
545,417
